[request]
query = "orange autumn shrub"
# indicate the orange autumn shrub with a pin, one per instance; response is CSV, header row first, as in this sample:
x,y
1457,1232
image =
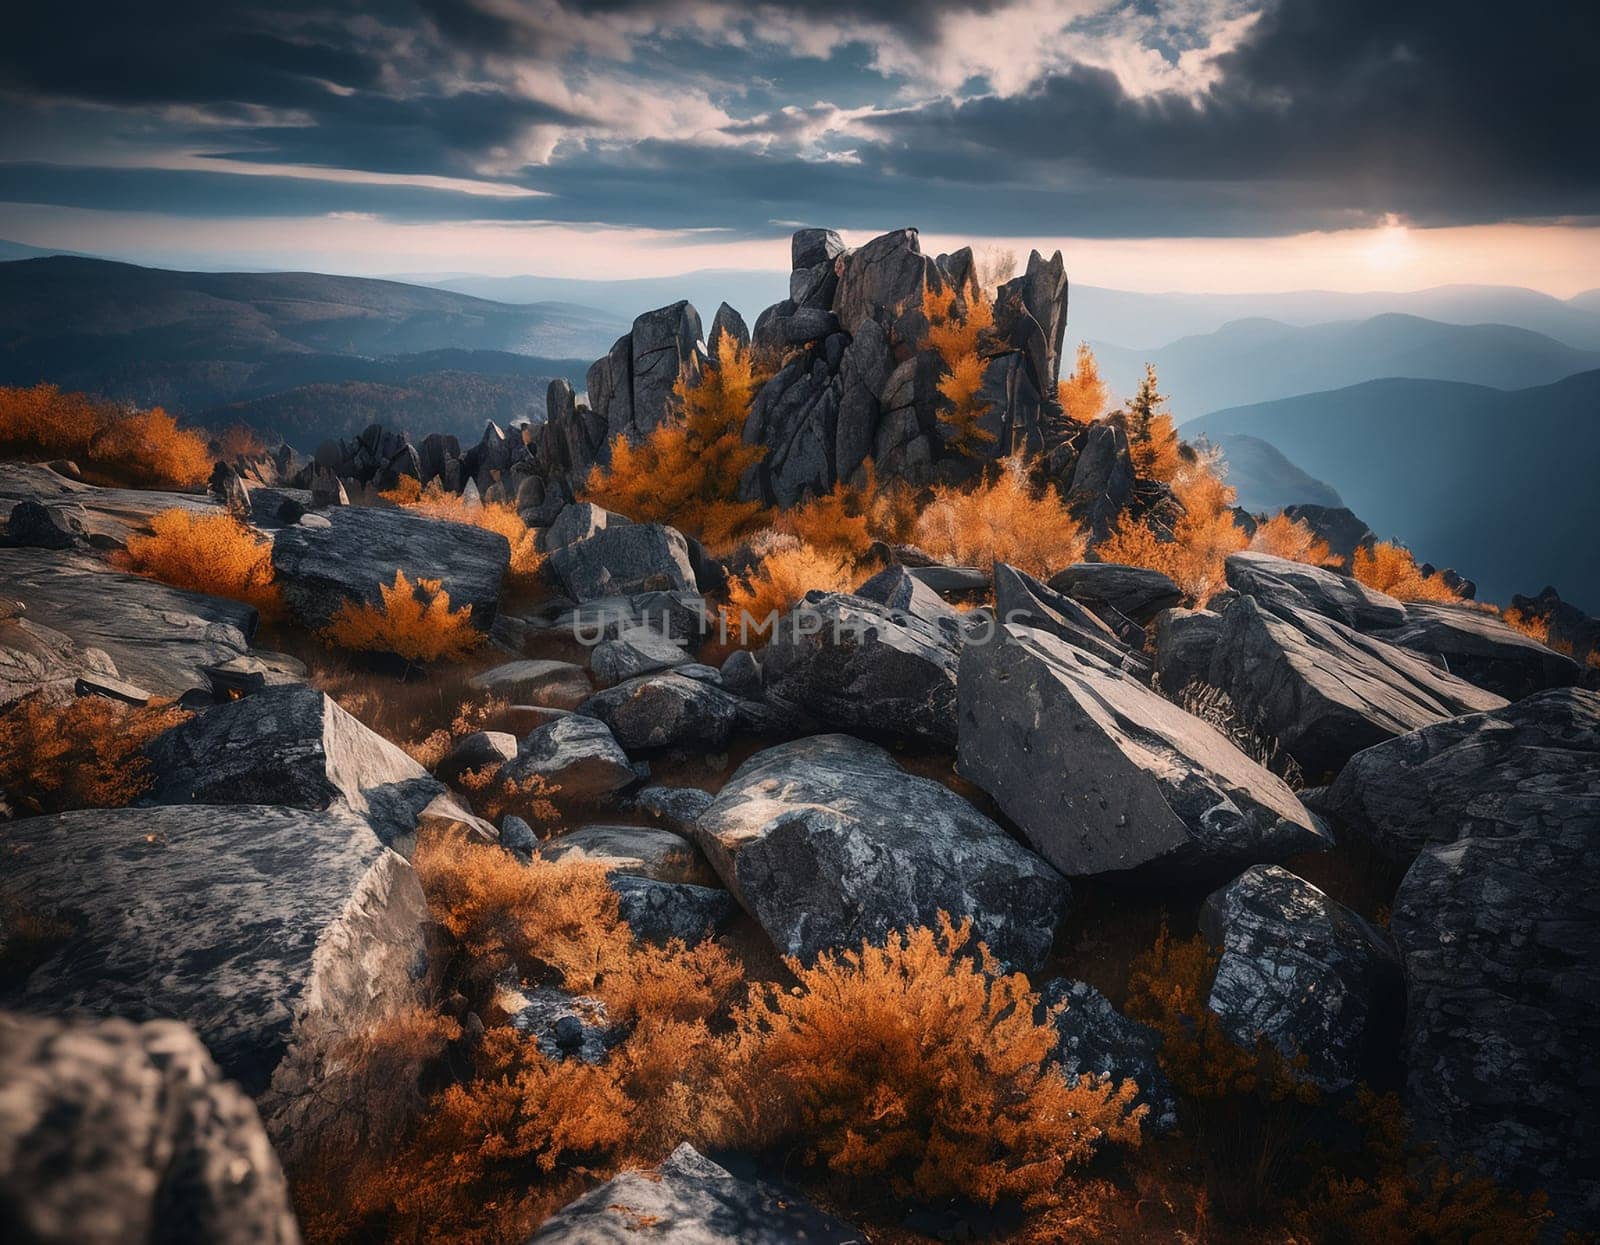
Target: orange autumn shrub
x,y
410,621
784,575
1194,551
145,449
235,442
1284,537
837,523
920,1065
958,337
498,517
57,755
1390,568
1152,435
1082,394
214,553
1530,625
1002,519
686,471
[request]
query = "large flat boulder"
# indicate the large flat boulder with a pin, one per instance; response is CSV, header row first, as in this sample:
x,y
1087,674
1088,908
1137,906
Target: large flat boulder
x,y
636,851
1323,690
1281,585
1305,973
39,659
1021,599
826,842
293,746
689,1200
1477,646
349,552
556,684
1532,764
112,1132
1104,776
856,665
158,637
1500,939
576,755
1133,591
272,932
666,710
623,561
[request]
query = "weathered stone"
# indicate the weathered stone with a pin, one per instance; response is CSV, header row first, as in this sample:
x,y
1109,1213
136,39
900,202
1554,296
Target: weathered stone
x,y
1096,1040
1337,526
727,323
1104,776
1042,292
481,751
638,851
1307,974
557,684
1185,640
577,521
1021,599
741,674
680,615
621,561
576,755
112,688
563,1026
884,278
810,247
848,663
1476,646
827,842
1132,591
903,594
795,417
1524,769
676,808
665,710
636,651
114,1132
34,526
689,1199
1500,939
863,372
1102,481
664,344
1279,584
361,547
1324,691
660,912
40,659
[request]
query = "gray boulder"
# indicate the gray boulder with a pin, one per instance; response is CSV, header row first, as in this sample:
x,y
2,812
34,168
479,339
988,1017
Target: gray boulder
x,y
689,1200
1133,591
35,526
556,684
664,345
1475,645
666,710
1324,691
41,659
676,808
635,851
353,550
1530,765
481,750
1281,585
114,1132
826,843
579,521
851,664
563,1026
810,247
1102,479
1338,526
903,593
1185,640
620,561
1104,776
576,755
1315,980
1096,1040
884,278
1500,938
727,323
636,651
741,674
660,912
1021,599
293,746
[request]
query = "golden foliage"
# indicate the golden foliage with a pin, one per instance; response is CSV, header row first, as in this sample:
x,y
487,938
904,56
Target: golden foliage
x,y
145,449
1194,552
1390,568
787,572
1530,625
1284,537
495,516
1003,519
1156,455
412,621
531,798
1082,393
686,471
213,553
920,1064
836,523
81,753
235,442
958,337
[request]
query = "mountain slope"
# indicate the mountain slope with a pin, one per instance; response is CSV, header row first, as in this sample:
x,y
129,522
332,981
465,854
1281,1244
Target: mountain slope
x,y
1499,485
191,340
1266,481
751,292
1261,360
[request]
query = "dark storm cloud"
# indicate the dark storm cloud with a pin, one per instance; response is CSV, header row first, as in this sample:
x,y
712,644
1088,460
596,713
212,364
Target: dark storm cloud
x,y
1327,113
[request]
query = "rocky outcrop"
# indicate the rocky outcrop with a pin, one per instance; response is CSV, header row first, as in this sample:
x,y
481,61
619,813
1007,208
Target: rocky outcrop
x,y
1305,973
1132,591
1281,586
1527,768
578,756
1337,526
690,1199
1324,691
661,912
1500,939
1096,1040
114,1132
350,551
40,659
1475,645
853,665
666,710
826,842
1185,640
621,561
1104,776
1024,601
631,388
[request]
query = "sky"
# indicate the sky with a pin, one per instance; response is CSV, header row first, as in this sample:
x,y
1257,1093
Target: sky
x,y
1161,144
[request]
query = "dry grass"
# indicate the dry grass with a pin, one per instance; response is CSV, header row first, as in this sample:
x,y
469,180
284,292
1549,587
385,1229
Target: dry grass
x,y
212,553
1003,519
499,517
145,449
1213,705
1390,568
58,755
1284,537
411,621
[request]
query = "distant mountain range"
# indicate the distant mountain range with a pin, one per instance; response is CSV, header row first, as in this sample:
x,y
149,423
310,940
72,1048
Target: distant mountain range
x,y
1500,485
748,292
1267,482
1260,360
